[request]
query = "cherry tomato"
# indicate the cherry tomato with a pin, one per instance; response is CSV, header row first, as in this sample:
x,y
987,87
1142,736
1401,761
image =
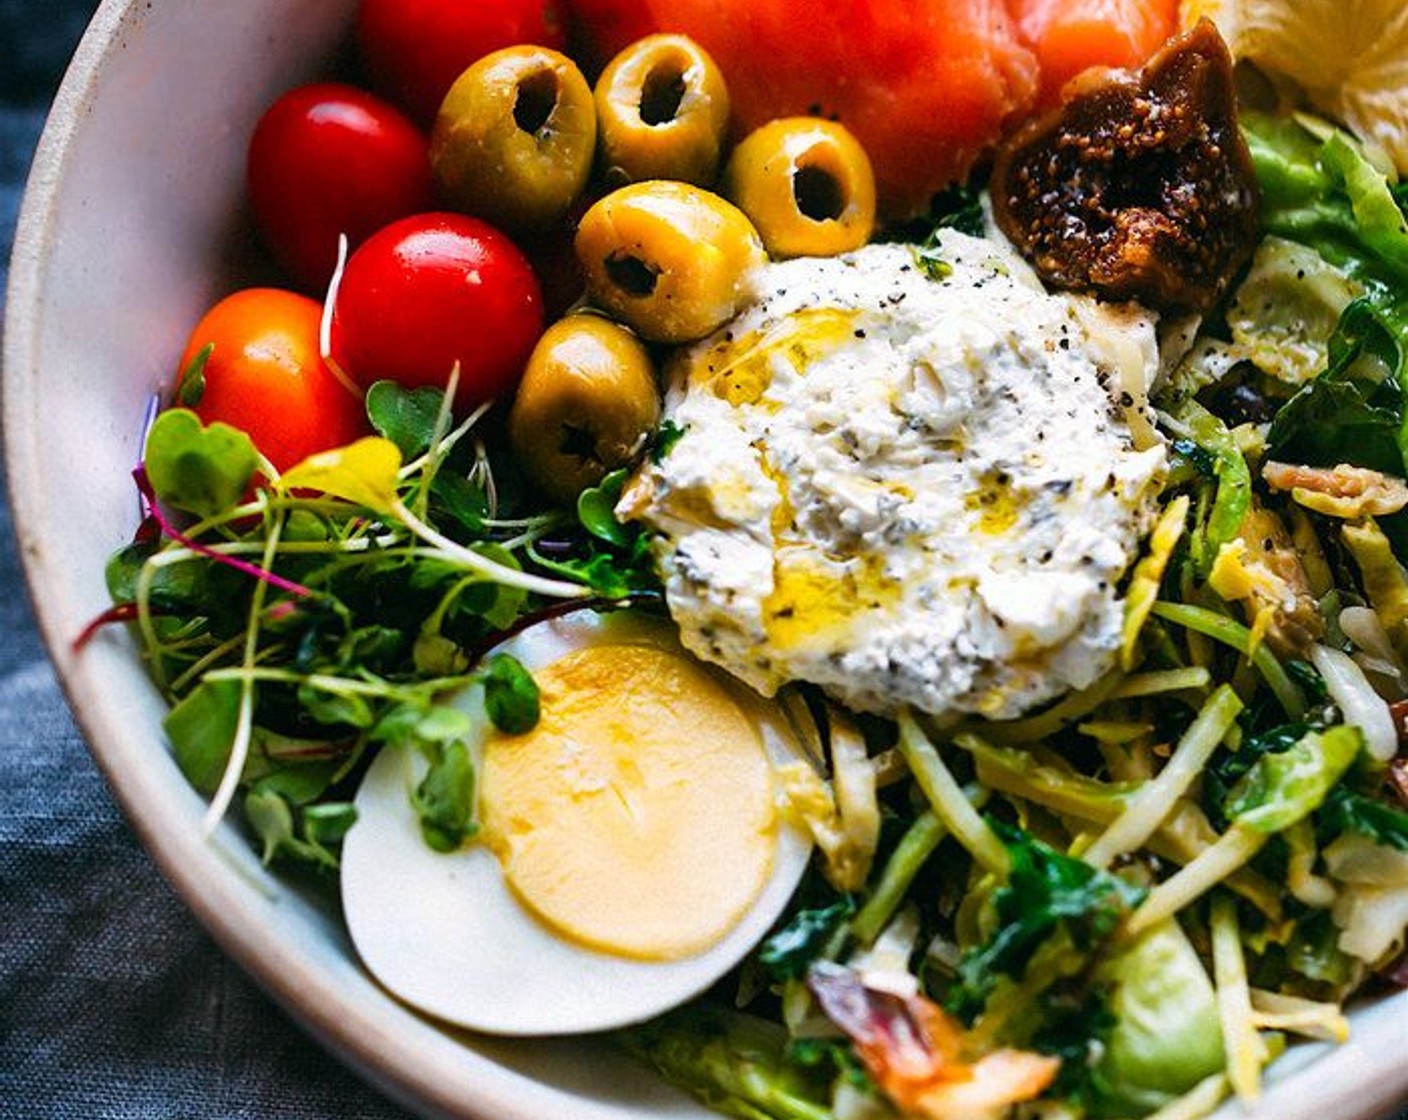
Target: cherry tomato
x,y
431,291
328,159
264,376
415,49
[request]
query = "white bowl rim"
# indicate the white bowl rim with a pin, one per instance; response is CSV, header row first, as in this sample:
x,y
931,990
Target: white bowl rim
x,y
398,1051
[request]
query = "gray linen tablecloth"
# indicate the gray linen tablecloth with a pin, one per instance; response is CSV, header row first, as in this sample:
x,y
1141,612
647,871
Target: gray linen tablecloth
x,y
114,1003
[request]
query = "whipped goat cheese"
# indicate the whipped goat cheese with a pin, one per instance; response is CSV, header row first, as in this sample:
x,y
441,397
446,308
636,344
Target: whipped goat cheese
x,y
909,487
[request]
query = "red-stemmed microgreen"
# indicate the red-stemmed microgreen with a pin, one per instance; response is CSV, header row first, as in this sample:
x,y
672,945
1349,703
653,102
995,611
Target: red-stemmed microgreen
x,y
342,604
170,530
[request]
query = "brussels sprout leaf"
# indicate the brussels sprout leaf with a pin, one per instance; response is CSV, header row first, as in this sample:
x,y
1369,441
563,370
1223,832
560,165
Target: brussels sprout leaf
x,y
1045,892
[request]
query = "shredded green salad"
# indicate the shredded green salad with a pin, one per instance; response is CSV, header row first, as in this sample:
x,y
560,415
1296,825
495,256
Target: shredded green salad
x,y
1125,904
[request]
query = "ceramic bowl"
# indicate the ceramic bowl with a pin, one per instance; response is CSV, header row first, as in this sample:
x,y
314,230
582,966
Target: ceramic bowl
x,y
132,224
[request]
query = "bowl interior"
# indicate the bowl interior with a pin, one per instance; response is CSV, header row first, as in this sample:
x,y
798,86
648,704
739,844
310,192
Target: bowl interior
x,y
132,225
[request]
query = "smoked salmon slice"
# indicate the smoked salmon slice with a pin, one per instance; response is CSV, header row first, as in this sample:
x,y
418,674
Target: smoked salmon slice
x,y
928,86
1069,36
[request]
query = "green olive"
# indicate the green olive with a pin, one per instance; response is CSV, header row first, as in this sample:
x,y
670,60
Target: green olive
x,y
662,112
586,405
668,258
807,184
515,138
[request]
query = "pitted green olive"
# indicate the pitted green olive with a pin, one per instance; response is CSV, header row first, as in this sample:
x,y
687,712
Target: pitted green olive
x,y
586,405
807,184
670,259
662,111
515,138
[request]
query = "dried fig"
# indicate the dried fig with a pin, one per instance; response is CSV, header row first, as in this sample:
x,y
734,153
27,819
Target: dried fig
x,y
1139,185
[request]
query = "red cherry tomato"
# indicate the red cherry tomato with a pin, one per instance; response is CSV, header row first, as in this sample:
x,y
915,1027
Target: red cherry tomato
x,y
431,291
328,159
264,376
415,49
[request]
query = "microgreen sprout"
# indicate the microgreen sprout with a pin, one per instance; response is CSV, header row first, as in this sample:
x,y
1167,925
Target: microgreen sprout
x,y
355,599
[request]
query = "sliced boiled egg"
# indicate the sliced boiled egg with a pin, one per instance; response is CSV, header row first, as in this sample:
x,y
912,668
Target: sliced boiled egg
x,y
632,848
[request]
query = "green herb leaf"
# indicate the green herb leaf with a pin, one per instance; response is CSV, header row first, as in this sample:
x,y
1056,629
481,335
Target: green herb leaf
x,y
930,259
300,784
327,824
790,951
336,708
203,470
510,695
497,604
666,436
460,500
596,509
201,728
272,820
444,800
1345,810
959,207
190,386
406,417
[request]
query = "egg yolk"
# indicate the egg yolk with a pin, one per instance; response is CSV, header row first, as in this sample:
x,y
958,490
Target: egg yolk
x,y
637,818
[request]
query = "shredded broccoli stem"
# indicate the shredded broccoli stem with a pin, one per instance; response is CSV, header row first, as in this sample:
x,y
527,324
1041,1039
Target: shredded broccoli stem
x,y
1232,633
1071,709
1312,555
1245,1050
947,799
1179,838
1301,880
1162,680
917,845
1150,806
1233,850
1277,1011
1020,773
1201,1099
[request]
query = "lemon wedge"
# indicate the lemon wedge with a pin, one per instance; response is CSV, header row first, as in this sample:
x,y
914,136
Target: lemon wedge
x,y
1349,56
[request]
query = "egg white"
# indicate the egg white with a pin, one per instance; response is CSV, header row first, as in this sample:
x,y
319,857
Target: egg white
x,y
444,933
